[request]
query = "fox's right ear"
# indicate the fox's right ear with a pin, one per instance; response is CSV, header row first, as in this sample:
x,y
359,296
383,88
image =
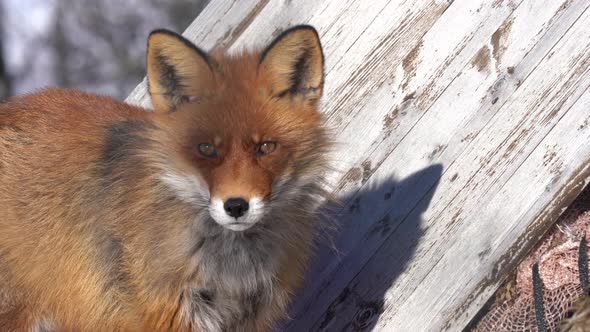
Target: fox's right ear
x,y
294,64
177,71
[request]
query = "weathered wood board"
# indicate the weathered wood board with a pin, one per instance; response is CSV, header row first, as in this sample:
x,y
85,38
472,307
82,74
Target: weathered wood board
x,y
463,130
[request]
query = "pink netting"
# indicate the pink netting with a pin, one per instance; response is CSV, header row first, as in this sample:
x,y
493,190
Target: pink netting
x,y
557,256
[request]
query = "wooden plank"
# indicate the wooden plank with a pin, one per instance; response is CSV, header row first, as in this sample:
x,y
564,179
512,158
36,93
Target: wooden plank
x,y
456,203
416,90
440,124
443,57
562,181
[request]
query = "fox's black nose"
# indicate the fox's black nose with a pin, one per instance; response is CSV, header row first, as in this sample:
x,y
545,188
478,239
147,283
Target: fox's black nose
x,y
235,207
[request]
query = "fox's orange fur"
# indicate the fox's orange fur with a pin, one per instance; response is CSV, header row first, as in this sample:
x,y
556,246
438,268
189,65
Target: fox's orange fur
x,y
107,216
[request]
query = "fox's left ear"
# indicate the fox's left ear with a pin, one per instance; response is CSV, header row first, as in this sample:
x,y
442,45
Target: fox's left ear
x,y
294,64
178,71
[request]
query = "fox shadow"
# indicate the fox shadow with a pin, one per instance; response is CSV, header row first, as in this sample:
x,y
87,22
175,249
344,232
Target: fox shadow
x,y
389,211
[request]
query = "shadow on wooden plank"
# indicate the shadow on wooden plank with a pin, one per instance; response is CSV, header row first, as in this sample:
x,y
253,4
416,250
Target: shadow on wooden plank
x,y
421,185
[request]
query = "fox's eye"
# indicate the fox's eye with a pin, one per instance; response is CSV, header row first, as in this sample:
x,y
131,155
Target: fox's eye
x,y
265,148
207,150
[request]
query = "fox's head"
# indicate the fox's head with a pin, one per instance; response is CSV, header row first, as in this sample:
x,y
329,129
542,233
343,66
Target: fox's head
x,y
243,131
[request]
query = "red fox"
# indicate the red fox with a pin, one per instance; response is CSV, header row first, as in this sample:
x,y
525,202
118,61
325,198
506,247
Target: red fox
x,y
198,216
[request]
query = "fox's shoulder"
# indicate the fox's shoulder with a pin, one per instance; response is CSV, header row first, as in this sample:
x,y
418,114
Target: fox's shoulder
x,y
71,123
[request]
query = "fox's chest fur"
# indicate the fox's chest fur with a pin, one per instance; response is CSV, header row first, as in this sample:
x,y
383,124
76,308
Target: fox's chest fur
x,y
237,279
240,274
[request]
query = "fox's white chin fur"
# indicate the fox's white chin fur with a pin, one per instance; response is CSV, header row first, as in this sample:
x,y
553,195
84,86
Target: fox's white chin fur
x,y
192,189
249,219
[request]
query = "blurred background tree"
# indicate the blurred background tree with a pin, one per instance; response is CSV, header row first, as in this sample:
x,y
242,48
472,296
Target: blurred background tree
x,y
94,45
4,79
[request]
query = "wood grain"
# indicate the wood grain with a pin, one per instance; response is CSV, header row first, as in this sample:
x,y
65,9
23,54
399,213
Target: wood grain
x,y
463,130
